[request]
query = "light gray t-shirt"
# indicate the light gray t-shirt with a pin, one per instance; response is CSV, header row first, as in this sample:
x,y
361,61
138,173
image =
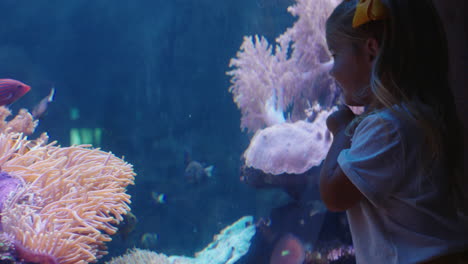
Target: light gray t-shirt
x,y
408,215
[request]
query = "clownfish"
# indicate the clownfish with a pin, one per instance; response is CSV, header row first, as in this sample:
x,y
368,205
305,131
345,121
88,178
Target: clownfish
x,y
11,90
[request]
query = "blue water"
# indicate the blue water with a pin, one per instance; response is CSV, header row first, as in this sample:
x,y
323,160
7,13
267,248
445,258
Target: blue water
x,y
150,76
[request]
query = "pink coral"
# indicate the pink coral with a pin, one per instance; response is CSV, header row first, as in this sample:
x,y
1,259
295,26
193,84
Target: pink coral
x,y
69,201
261,83
21,123
140,256
265,83
289,147
59,204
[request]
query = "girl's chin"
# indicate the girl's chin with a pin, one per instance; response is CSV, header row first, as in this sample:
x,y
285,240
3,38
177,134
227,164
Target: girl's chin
x,y
353,103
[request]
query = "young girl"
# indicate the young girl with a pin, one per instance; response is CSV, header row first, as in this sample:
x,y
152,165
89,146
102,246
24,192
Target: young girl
x,y
396,168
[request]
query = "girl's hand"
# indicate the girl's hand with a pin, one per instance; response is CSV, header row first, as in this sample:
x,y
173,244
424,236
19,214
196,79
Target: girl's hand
x,y
337,191
339,119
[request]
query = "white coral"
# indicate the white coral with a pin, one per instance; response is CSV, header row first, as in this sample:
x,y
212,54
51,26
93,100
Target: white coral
x,y
268,79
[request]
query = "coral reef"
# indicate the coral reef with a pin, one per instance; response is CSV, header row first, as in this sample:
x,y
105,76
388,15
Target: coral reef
x,y
23,122
289,147
141,256
67,200
227,247
272,87
288,155
285,95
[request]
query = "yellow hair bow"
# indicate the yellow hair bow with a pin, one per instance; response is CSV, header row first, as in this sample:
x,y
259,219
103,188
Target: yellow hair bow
x,y
369,10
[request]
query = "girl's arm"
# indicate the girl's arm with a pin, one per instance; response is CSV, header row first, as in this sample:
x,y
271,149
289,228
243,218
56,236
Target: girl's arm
x,y
337,191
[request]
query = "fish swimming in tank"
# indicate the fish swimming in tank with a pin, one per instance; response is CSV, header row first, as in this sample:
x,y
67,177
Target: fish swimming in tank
x,y
158,198
127,225
195,172
41,108
149,240
11,90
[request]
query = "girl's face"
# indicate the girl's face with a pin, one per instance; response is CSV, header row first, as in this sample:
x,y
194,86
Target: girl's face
x,y
352,70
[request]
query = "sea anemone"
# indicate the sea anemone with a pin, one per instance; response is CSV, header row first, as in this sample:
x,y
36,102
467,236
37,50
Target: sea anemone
x,y
67,200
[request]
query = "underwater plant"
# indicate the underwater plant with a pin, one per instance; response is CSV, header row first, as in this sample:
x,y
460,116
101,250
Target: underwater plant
x,y
285,97
138,256
274,84
289,147
228,246
66,201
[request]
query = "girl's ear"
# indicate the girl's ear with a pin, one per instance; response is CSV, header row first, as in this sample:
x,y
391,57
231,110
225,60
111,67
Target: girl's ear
x,y
372,48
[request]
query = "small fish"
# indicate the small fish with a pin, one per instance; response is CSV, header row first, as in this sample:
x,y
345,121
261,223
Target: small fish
x,y
11,90
127,225
159,198
41,108
149,240
195,172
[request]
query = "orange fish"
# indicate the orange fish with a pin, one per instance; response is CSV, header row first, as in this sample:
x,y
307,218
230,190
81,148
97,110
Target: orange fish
x,y
11,90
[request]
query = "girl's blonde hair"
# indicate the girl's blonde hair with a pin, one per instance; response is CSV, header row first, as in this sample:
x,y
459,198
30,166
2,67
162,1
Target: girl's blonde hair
x,y
411,65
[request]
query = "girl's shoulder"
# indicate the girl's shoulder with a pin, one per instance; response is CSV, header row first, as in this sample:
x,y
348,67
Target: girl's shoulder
x,y
402,117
